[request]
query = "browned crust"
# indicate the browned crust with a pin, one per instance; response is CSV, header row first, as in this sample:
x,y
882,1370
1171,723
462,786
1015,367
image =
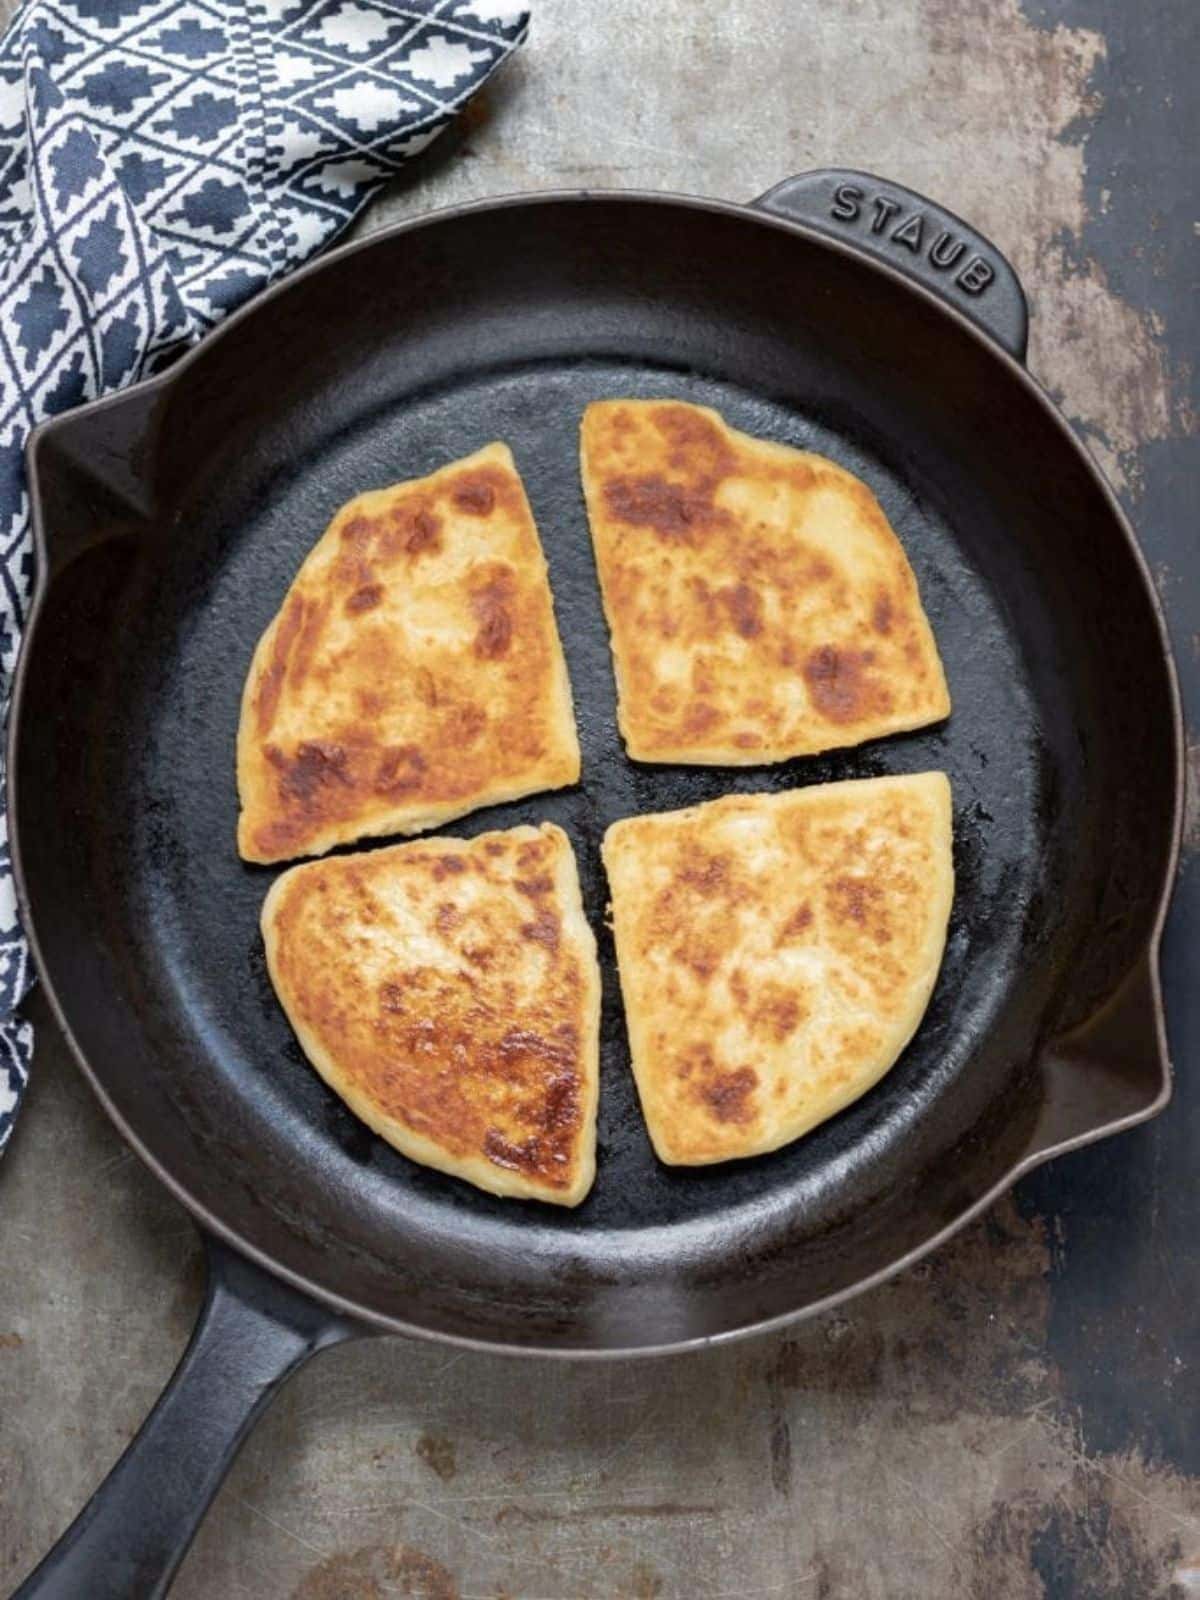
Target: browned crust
x,y
776,952
413,672
759,602
449,992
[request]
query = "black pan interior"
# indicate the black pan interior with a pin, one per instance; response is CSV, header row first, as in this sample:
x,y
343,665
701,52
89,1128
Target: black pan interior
x,y
177,519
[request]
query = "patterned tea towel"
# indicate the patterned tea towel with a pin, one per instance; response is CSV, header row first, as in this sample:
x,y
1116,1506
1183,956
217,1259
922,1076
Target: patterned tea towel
x,y
160,162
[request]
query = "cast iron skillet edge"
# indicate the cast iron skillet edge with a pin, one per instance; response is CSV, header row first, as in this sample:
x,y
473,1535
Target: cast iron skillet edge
x,y
259,1322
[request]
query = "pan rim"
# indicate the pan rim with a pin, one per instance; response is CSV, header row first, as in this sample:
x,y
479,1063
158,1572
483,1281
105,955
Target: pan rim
x,y
177,1186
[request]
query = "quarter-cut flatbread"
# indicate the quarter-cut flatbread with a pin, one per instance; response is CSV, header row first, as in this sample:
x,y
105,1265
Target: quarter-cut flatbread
x,y
760,604
777,952
448,990
413,673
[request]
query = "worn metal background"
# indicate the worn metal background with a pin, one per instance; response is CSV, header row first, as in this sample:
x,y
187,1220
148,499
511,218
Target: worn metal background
x,y
1019,1418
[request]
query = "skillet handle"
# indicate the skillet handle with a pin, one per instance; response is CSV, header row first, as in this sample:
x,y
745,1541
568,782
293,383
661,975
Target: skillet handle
x,y
253,1332
915,236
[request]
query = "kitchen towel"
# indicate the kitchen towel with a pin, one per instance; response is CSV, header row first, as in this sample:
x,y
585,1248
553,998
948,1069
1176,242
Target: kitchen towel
x,y
160,162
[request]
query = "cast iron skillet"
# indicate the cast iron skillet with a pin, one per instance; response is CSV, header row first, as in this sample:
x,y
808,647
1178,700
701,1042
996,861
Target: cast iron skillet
x,y
838,313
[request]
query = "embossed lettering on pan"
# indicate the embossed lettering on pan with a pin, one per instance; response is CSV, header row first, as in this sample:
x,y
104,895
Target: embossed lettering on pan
x,y
913,231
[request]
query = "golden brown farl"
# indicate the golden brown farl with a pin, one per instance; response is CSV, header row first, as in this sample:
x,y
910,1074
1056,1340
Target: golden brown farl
x,y
448,991
776,953
760,605
413,673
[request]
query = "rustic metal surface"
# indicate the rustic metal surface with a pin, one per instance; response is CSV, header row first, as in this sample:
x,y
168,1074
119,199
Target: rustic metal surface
x,y
1019,1417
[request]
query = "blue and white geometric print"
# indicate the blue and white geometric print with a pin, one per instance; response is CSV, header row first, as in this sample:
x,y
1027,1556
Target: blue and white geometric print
x,y
160,162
